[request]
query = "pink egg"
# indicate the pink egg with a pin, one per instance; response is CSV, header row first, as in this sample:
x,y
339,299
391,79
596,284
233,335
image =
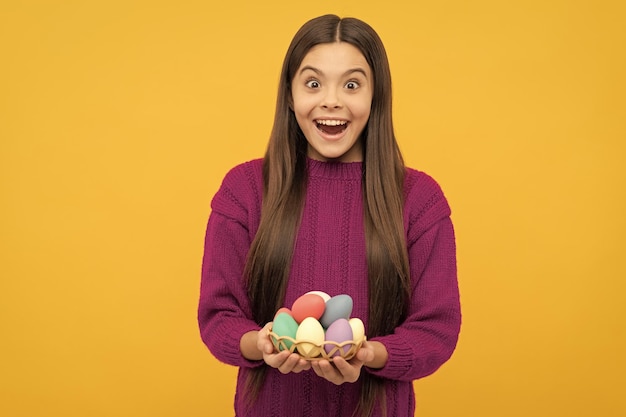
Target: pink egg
x,y
283,310
339,331
308,305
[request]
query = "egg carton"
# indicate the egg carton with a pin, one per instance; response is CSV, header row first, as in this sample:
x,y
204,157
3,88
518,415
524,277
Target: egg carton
x,y
312,351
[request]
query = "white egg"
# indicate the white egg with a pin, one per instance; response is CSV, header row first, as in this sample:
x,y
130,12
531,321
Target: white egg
x,y
322,294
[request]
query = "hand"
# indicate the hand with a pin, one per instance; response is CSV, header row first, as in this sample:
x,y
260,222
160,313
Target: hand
x,y
340,370
284,361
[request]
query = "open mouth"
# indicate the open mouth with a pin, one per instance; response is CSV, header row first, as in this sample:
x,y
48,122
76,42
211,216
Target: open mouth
x,y
331,127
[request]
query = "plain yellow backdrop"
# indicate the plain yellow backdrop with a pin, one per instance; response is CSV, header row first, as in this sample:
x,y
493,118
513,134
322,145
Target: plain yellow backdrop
x,y
118,120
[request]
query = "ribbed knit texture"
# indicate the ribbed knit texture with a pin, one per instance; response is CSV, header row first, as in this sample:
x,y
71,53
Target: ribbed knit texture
x,y
329,256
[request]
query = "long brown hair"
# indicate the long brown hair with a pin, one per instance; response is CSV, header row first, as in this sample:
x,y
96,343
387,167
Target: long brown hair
x,y
284,172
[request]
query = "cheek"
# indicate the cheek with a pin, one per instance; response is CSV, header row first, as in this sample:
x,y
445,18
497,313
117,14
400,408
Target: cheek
x,y
363,114
301,108
304,124
361,108
301,117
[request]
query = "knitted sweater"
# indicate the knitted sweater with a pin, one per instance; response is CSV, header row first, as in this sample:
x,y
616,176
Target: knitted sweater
x,y
329,256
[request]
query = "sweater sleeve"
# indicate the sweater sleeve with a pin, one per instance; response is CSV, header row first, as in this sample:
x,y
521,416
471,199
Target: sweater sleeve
x,y
428,336
224,313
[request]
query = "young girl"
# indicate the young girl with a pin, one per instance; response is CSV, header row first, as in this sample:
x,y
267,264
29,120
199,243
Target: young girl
x,y
331,207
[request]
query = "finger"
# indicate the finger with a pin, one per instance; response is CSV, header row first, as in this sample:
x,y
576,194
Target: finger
x,y
316,368
267,348
349,371
365,353
266,329
289,364
276,360
302,365
329,372
342,366
264,344
323,369
363,356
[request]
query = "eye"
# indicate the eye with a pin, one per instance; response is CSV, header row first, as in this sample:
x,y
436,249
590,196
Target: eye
x,y
312,83
352,85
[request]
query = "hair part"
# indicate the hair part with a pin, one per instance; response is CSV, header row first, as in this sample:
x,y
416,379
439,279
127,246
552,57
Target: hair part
x,y
284,174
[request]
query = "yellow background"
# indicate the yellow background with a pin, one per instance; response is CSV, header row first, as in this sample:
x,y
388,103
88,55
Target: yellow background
x,y
118,120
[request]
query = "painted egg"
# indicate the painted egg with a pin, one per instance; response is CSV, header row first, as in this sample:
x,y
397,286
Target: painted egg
x,y
284,325
283,310
308,305
322,294
358,329
310,330
338,307
339,331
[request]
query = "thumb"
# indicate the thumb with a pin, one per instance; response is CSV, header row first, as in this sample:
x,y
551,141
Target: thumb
x,y
267,345
366,353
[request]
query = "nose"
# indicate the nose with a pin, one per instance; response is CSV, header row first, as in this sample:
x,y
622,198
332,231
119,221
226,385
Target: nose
x,y
331,99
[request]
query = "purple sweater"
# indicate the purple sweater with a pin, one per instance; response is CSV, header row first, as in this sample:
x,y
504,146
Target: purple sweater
x,y
329,256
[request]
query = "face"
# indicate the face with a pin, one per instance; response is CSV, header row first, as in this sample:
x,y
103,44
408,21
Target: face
x,y
332,97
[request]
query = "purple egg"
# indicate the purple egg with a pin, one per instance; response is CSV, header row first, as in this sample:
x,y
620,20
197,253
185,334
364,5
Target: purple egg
x,y
339,331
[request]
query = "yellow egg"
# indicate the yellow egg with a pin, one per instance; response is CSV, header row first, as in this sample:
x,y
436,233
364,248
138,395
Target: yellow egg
x,y
312,333
358,329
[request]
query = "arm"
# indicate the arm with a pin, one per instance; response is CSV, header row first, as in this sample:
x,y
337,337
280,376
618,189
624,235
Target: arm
x,y
249,346
428,336
224,314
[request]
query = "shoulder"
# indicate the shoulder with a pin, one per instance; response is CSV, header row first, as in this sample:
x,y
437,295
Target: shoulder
x,y
425,203
241,188
244,173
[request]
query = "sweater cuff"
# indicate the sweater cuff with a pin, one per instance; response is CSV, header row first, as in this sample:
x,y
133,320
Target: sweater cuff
x,y
400,359
229,346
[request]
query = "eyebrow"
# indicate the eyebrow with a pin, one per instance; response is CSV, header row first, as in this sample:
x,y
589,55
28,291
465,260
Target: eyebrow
x,y
319,72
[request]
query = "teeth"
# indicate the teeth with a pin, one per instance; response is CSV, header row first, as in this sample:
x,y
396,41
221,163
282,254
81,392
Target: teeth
x,y
331,122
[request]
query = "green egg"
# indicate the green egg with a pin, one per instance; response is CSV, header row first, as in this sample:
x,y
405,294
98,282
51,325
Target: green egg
x,y
285,325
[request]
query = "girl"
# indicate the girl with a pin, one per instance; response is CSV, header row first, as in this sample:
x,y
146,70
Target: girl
x,y
331,207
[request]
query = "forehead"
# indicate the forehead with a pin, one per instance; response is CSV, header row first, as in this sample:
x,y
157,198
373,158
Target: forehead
x,y
340,55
